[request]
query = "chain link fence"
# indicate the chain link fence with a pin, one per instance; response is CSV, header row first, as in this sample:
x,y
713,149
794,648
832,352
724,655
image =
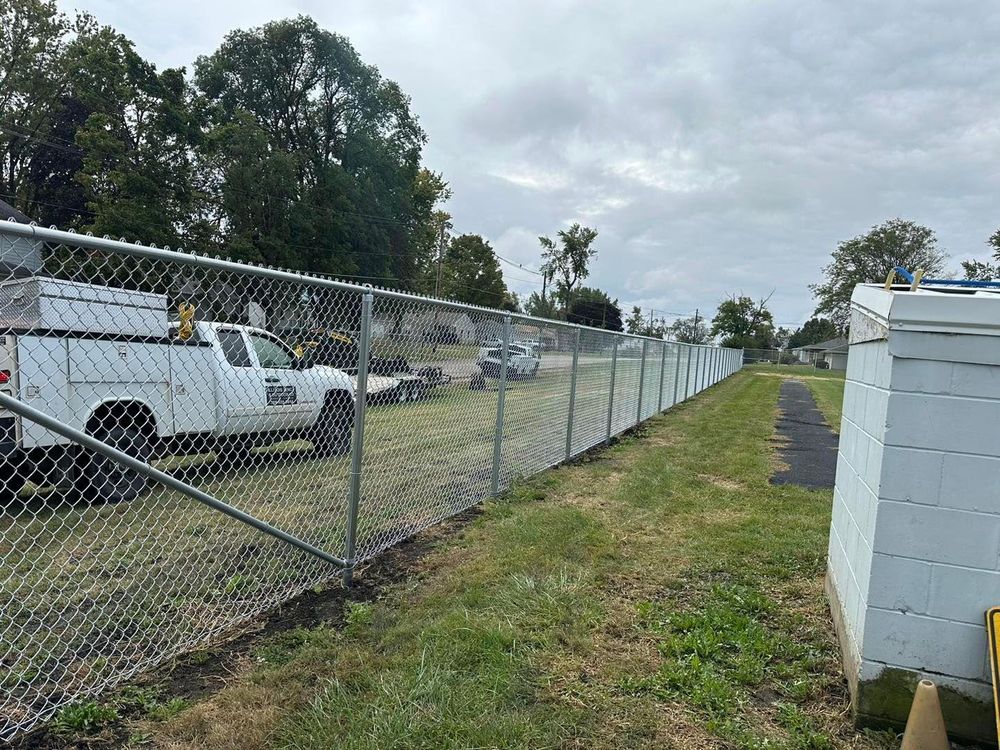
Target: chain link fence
x,y
187,442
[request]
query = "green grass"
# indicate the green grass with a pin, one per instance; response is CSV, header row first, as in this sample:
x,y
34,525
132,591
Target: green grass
x,y
94,590
829,395
663,594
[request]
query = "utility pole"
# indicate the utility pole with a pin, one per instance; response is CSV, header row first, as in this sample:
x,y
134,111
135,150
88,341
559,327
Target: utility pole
x,y
695,331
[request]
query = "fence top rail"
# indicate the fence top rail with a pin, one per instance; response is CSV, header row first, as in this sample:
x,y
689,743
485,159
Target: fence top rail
x,y
37,233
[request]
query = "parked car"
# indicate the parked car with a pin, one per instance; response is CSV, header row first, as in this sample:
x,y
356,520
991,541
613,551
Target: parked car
x,y
522,361
390,379
107,361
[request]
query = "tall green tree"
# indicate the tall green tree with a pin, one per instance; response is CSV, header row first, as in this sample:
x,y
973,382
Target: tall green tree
x,y
472,274
568,260
690,330
594,308
136,141
541,306
744,323
813,331
348,191
33,37
868,258
985,271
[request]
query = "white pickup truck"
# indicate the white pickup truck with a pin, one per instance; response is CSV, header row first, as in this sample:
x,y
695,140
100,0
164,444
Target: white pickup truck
x,y
107,361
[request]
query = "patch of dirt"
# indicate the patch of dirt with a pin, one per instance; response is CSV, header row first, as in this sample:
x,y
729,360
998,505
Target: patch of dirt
x,y
722,482
792,376
203,673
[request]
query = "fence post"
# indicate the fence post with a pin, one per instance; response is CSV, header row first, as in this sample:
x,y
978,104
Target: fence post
x,y
663,366
572,395
699,370
677,374
501,395
611,395
642,378
358,437
687,371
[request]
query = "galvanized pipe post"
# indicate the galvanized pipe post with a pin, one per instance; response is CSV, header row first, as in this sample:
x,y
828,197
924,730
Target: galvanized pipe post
x,y
677,374
358,439
642,378
572,395
687,371
501,395
611,394
663,366
699,371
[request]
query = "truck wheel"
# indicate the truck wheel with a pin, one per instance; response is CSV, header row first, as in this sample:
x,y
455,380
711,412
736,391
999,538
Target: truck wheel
x,y
331,435
103,480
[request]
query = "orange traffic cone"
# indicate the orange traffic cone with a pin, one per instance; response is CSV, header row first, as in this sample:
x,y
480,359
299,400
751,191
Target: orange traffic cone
x,y
925,725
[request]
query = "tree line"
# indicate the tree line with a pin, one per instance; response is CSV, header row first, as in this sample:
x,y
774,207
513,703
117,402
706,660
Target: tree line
x,y
282,147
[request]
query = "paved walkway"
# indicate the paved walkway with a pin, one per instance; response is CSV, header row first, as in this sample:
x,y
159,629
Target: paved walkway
x,y
809,446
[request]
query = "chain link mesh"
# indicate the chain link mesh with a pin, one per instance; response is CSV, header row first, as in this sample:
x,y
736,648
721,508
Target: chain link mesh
x,y
242,382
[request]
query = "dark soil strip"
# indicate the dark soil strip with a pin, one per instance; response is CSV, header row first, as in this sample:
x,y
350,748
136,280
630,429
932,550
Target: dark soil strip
x,y
807,446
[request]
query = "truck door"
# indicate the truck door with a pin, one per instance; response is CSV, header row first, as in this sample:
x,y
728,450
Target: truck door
x,y
290,395
241,385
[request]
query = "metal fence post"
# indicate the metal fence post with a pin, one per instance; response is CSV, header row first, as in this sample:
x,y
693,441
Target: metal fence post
x,y
642,378
663,366
572,396
677,374
699,371
501,396
687,371
358,438
611,395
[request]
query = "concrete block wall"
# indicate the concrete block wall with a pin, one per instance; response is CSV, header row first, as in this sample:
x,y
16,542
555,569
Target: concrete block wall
x,y
914,555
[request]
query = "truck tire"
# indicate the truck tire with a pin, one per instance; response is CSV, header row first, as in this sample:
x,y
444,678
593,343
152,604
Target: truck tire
x,y
331,435
101,479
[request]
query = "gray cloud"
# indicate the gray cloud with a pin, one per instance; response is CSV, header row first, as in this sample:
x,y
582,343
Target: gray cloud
x,y
718,147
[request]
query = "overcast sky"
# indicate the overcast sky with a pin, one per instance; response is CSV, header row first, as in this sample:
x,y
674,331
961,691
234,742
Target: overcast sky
x,y
718,147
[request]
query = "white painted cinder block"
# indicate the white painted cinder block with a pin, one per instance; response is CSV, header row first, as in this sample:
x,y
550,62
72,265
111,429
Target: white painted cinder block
x,y
914,553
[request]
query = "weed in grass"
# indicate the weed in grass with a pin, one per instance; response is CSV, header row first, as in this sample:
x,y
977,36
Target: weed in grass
x,y
358,618
167,710
729,647
283,647
83,718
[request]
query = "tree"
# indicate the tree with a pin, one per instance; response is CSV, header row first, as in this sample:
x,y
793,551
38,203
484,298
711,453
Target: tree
x,y
136,140
472,274
869,258
594,308
980,271
568,261
32,44
744,323
812,332
690,330
540,306
635,322
317,162
782,336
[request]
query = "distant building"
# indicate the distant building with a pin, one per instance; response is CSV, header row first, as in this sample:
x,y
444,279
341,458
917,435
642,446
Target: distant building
x,y
814,353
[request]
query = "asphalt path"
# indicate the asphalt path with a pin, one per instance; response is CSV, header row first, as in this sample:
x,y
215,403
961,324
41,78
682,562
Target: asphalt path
x,y
808,446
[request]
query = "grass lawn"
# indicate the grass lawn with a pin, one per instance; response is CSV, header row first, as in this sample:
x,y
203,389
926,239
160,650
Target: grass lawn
x,y
659,594
827,387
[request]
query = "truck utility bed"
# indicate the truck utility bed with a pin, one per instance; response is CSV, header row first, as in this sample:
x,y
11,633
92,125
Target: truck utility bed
x,y
39,303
